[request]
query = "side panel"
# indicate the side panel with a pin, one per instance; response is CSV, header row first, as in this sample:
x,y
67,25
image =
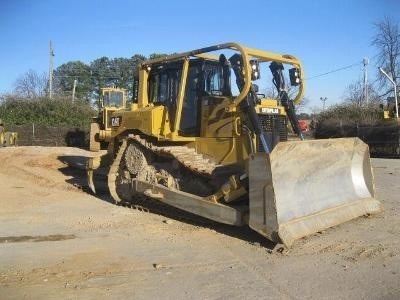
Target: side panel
x,y
152,121
215,120
225,150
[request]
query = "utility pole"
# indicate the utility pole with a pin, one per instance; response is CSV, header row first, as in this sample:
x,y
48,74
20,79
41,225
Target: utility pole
x,y
365,62
73,90
51,55
395,91
323,99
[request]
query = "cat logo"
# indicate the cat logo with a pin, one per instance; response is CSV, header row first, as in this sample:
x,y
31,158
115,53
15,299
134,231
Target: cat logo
x,y
116,121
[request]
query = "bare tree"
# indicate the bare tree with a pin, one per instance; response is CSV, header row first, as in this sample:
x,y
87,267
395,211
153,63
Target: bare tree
x,y
302,105
355,94
31,84
387,40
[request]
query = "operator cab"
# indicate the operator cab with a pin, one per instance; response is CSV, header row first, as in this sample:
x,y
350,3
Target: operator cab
x,y
113,98
208,92
206,78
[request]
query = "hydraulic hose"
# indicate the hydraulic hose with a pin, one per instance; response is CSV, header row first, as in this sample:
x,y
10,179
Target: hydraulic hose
x,y
279,82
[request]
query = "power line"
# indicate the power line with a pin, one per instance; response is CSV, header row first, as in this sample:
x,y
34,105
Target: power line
x,y
336,70
342,68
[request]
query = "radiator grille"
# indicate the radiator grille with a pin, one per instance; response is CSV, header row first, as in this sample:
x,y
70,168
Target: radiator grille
x,y
275,127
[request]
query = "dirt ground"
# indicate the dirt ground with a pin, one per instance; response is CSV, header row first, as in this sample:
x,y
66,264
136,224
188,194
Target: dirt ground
x,y
59,242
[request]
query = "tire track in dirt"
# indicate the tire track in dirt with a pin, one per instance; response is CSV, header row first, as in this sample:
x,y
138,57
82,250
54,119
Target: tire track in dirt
x,y
249,262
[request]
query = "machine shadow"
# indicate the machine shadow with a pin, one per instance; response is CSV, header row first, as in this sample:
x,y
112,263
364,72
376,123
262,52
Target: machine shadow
x,y
75,170
156,207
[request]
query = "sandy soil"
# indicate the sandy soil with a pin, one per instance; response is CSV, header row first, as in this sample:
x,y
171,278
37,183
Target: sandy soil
x,y
59,242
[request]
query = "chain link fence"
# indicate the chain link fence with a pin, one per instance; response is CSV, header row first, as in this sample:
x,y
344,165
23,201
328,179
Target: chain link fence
x,y
42,135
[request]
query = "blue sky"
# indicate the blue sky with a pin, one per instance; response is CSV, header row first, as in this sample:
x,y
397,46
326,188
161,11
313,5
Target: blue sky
x,y
325,35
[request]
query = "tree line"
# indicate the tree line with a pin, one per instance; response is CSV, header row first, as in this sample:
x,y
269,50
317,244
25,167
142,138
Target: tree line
x,y
90,78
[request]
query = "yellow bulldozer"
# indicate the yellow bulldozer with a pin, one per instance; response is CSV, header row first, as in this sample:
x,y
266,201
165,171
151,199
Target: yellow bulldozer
x,y
112,99
205,134
7,138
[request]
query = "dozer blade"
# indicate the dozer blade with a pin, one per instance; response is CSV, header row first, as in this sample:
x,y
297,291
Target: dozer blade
x,y
304,187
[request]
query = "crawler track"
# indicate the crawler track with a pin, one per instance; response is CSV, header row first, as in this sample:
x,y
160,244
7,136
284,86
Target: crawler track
x,y
189,158
197,164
